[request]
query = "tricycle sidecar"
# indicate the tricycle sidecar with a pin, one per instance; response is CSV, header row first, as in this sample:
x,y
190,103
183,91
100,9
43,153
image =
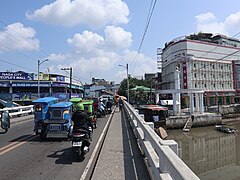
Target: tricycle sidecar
x,y
41,112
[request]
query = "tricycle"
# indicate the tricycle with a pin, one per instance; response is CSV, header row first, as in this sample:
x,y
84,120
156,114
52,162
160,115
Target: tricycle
x,y
41,113
59,125
88,108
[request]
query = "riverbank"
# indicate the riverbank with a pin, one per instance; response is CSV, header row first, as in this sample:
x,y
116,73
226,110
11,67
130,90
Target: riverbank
x,y
199,120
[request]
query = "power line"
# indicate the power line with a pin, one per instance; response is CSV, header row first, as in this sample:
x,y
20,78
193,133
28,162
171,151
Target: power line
x,y
20,42
7,62
150,13
16,51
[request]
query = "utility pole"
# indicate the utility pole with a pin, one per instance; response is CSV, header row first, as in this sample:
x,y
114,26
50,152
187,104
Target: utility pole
x,y
126,67
70,69
127,83
39,63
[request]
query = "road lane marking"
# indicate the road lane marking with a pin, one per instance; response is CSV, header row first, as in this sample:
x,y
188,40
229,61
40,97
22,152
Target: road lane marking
x,y
14,145
22,139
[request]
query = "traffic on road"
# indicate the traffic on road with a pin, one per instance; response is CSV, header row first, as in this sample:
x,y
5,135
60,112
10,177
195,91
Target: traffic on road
x,y
25,154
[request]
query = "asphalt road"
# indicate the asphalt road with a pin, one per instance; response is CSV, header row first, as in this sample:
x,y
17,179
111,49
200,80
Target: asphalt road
x,y
24,155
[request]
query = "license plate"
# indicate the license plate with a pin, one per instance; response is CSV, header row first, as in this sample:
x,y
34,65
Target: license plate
x,y
55,127
77,143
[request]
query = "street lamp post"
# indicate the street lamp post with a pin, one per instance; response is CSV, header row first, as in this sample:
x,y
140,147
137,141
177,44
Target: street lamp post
x,y
70,69
39,63
126,67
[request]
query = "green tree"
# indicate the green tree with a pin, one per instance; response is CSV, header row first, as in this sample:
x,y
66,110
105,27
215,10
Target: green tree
x,y
133,82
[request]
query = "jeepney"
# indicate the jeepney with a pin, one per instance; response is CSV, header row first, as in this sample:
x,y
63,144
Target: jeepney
x,y
41,112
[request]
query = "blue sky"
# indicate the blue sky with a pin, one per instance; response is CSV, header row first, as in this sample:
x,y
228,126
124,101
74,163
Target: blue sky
x,y
95,36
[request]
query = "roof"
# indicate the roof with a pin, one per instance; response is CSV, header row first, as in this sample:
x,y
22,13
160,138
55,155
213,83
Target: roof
x,y
168,102
87,102
75,100
153,107
62,104
142,88
45,100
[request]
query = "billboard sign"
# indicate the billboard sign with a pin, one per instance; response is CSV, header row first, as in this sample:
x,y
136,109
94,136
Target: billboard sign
x,y
15,76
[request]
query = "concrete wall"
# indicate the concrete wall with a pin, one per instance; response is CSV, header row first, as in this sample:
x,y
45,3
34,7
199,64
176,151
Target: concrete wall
x,y
207,119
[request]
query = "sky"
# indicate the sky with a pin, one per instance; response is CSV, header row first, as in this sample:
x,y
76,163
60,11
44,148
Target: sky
x,y
94,37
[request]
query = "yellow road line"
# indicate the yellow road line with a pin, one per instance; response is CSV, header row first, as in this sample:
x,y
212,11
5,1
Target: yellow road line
x,y
14,145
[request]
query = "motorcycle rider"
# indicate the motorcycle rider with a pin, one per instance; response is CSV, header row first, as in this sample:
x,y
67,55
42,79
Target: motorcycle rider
x,y
109,105
101,107
80,121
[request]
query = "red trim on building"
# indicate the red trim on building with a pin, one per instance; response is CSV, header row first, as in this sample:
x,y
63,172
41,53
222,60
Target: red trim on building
x,y
234,75
185,80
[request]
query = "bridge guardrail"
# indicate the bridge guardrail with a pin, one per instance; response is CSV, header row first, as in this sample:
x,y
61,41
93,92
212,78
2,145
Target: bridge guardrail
x,y
161,155
21,110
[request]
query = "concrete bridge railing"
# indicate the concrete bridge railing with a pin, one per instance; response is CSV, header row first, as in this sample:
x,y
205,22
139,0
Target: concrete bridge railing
x,y
161,155
16,111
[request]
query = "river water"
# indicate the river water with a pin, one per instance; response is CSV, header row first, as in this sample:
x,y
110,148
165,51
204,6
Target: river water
x,y
209,153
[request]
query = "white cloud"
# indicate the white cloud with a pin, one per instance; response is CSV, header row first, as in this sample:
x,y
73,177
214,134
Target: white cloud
x,y
206,17
86,42
58,57
208,22
74,12
117,37
107,65
17,37
92,44
233,21
139,63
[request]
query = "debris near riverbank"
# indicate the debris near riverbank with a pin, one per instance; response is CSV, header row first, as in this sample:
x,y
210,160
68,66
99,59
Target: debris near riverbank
x,y
161,132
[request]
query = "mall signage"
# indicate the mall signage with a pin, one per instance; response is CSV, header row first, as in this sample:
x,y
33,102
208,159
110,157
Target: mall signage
x,y
16,76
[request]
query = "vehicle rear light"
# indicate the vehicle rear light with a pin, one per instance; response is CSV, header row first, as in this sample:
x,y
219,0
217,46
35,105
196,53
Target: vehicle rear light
x,y
78,134
38,107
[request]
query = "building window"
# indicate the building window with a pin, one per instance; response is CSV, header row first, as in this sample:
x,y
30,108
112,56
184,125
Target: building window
x,y
195,85
213,66
205,85
195,75
194,65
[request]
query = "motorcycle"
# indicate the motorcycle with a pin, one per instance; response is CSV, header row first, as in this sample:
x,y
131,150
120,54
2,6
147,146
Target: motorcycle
x,y
81,141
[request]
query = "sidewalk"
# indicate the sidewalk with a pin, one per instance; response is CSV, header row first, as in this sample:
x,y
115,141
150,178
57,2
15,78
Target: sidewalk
x,y
120,157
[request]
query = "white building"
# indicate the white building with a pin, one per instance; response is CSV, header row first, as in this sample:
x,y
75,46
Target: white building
x,y
206,62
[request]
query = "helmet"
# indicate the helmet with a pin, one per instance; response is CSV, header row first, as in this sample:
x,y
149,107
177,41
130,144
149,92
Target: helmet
x,y
79,107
